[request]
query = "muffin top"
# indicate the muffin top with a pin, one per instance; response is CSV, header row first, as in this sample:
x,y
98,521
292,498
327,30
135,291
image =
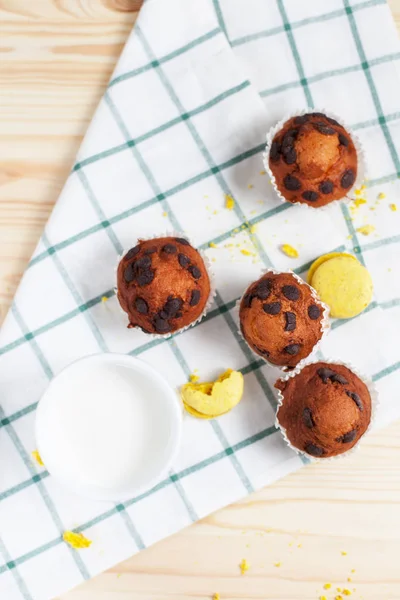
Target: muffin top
x,y
280,319
163,285
326,409
313,159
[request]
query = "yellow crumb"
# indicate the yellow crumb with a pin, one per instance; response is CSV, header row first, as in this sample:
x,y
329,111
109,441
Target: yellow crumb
x,y
253,229
260,201
229,202
119,575
327,586
212,245
338,597
393,207
104,299
250,186
277,564
381,196
353,571
349,579
323,598
358,192
215,212
366,229
338,589
263,173
76,540
213,260
216,597
289,251
165,214
299,545
346,592
350,237
359,202
343,553
244,566
236,230
363,187
36,456
247,545
194,378
247,252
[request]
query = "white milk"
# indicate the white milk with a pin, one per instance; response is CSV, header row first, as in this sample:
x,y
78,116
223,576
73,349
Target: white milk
x,y
106,425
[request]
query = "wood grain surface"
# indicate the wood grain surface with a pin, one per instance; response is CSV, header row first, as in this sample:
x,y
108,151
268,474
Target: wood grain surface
x,y
56,57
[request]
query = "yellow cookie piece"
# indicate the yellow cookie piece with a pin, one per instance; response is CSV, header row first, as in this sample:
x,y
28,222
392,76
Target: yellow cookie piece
x,y
344,285
213,399
317,263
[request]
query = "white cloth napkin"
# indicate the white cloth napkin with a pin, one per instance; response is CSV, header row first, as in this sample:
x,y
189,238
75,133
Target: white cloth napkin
x,y
181,125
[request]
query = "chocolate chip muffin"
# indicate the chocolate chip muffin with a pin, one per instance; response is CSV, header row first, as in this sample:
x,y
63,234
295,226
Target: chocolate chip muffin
x,y
163,285
280,319
326,409
314,160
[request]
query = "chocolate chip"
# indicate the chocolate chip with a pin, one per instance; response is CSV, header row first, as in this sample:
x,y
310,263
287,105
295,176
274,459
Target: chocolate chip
x,y
261,351
132,252
141,306
178,315
289,138
247,300
308,418
343,139
274,308
183,260
292,349
332,121
145,278
183,241
143,263
336,378
301,120
169,249
348,179
195,271
195,298
129,274
290,321
150,250
348,437
289,155
291,292
291,183
313,312
314,450
319,115
310,196
275,151
326,187
324,129
171,307
161,325
263,289
325,374
356,399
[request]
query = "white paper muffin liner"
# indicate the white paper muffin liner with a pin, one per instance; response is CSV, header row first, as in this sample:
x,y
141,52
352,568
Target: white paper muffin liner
x,y
207,263
362,162
374,408
325,323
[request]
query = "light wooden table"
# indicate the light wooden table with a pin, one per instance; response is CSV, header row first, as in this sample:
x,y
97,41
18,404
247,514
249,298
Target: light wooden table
x,y
56,57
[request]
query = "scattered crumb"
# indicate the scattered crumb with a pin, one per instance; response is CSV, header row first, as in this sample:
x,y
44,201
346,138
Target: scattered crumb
x,y
104,299
213,260
76,540
353,571
236,230
250,186
289,251
247,252
260,201
381,196
244,566
343,553
338,597
165,214
299,545
350,237
359,202
119,575
253,229
205,196
327,586
247,545
277,564
346,592
194,378
338,589
215,212
363,187
37,458
349,579
366,229
323,598
253,212
263,172
393,207
212,245
229,202
358,192
216,597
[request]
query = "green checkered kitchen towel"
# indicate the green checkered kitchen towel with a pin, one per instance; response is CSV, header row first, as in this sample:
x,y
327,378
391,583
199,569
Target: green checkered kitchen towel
x,y
181,125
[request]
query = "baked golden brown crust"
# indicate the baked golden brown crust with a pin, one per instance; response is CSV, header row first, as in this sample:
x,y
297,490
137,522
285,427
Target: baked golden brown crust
x,y
163,285
280,320
314,160
326,409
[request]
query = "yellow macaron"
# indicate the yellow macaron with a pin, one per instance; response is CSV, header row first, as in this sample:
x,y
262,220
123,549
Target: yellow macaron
x,y
215,398
343,283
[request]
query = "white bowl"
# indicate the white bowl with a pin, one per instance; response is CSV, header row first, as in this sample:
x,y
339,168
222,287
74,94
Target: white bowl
x,y
108,427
